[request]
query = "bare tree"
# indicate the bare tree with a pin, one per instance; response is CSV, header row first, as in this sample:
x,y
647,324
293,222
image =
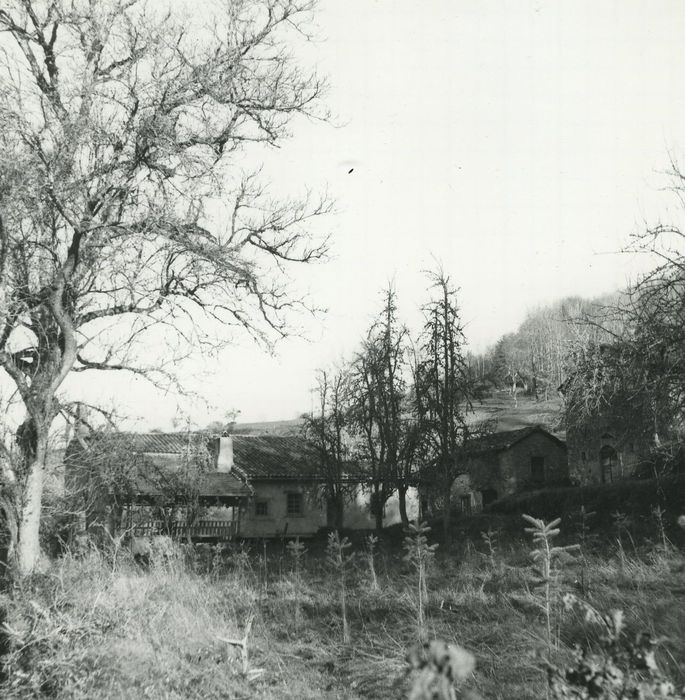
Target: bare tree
x,y
121,129
443,391
378,388
326,430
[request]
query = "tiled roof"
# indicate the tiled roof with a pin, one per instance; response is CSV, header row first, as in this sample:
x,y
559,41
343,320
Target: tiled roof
x,y
255,457
275,457
496,442
158,443
210,485
159,459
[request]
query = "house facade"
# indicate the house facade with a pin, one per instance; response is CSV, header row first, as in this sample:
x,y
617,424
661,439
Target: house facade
x,y
250,486
288,497
508,462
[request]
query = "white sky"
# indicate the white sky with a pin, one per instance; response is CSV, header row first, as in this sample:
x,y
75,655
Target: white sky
x,y
518,142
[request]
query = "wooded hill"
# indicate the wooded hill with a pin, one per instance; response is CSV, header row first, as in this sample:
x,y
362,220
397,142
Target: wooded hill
x,y
532,359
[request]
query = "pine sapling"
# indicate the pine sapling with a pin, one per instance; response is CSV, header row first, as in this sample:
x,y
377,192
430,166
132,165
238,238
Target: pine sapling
x,y
491,538
265,566
584,520
419,554
339,560
296,550
371,542
546,557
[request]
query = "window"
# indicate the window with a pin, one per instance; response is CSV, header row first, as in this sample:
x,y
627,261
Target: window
x,y
537,470
488,496
583,456
261,509
294,504
608,460
465,504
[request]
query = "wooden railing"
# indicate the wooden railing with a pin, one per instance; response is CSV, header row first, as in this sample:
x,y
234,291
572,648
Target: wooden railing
x,y
200,530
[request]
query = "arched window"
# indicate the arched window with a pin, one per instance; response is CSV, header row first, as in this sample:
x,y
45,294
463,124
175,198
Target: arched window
x,y
608,459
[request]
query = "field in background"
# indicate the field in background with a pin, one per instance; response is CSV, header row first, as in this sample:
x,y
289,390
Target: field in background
x,y
509,413
512,414
98,627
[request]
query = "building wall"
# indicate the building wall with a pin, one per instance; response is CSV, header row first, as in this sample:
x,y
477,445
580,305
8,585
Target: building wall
x,y
510,471
274,523
357,511
585,449
515,463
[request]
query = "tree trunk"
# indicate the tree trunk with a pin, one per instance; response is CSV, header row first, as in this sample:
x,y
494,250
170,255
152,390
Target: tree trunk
x,y
339,512
402,496
28,540
378,512
446,515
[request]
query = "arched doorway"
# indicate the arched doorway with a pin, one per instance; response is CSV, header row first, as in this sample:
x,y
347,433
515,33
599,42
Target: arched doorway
x,y
608,461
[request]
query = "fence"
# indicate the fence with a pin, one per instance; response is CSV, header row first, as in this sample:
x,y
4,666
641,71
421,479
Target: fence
x,y
179,530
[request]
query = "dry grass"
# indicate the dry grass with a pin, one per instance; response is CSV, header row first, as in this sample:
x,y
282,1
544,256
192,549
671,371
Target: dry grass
x,y
83,631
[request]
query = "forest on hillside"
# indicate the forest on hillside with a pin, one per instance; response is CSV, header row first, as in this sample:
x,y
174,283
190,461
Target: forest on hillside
x,y
534,358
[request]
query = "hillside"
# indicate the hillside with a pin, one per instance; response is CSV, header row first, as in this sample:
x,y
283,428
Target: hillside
x,y
510,415
274,427
525,411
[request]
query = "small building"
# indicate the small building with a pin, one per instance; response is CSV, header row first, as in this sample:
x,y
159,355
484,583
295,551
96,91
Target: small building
x,y
601,453
508,462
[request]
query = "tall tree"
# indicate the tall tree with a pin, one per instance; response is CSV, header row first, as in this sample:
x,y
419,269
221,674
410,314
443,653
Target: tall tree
x,y
120,124
443,390
380,412
327,431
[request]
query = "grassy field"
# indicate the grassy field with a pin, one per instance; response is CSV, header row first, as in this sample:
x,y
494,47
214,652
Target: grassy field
x,y
98,627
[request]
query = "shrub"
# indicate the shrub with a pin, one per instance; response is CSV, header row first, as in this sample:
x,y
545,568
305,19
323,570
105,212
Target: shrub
x,y
618,670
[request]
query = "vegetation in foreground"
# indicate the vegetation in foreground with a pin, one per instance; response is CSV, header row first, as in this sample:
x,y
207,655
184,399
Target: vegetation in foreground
x,y
310,621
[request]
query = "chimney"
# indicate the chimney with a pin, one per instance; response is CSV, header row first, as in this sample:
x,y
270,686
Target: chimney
x,y
224,461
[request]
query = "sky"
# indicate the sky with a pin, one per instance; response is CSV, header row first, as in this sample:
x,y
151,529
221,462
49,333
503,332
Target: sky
x,y
516,143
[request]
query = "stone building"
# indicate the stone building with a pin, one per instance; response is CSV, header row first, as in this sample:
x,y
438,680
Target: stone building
x,y
508,462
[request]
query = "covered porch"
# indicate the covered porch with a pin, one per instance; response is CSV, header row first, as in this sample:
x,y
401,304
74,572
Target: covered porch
x,y
211,513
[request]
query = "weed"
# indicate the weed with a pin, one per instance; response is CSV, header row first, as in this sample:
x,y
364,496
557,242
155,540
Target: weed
x,y
622,525
658,514
437,668
619,669
339,560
